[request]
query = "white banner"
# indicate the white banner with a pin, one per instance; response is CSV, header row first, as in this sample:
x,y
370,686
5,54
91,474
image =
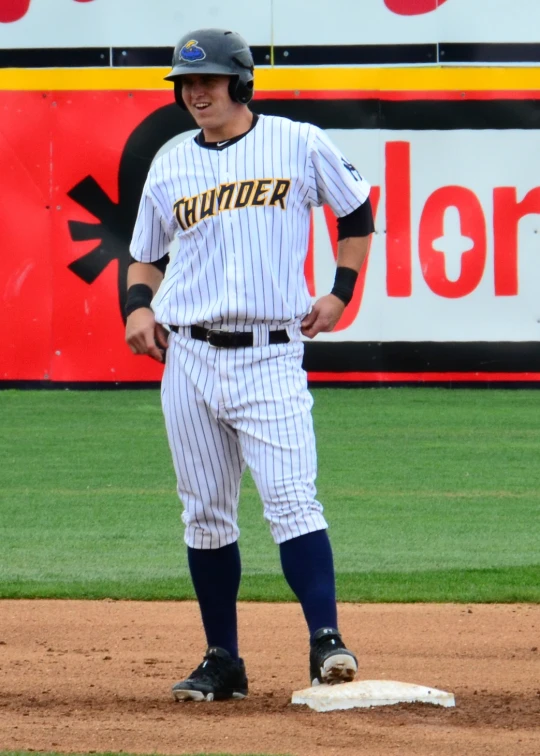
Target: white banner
x,y
456,254
130,23
115,23
380,22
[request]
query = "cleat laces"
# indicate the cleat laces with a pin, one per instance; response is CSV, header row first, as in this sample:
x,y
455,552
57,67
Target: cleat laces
x,y
211,671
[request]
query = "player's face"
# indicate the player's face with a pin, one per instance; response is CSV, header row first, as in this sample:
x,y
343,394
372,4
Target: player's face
x,y
207,98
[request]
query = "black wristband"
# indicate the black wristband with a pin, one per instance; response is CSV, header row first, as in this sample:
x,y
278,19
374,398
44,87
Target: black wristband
x,y
344,284
139,295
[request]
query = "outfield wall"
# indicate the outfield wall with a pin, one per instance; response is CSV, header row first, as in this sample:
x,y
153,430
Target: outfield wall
x,y
439,108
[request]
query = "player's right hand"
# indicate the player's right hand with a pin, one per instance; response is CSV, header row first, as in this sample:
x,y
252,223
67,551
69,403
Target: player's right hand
x,y
324,316
145,336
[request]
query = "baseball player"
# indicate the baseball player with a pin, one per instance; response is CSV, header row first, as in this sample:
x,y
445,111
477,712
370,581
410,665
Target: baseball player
x,y
230,313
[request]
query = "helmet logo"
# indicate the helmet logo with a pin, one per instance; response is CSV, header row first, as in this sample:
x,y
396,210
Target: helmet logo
x,y
190,52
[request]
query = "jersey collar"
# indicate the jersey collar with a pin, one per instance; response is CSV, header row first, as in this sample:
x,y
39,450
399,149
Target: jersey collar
x,y
201,141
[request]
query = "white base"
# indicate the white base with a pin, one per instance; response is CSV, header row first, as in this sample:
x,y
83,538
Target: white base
x,y
366,693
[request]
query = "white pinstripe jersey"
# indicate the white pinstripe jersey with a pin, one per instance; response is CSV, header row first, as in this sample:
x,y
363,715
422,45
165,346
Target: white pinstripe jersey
x,y
242,213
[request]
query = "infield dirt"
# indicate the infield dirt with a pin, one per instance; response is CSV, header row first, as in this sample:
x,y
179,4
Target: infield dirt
x,y
83,676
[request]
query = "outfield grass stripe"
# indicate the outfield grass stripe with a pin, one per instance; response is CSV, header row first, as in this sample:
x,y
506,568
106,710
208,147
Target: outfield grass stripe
x,y
515,584
341,491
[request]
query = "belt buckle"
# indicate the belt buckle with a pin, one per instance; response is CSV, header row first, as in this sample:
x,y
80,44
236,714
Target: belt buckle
x,y
217,337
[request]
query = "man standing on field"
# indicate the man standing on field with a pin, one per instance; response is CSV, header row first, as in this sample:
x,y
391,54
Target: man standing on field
x,y
238,196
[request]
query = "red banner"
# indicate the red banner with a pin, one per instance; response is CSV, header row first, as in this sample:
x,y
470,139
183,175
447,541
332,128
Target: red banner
x,y
66,219
73,165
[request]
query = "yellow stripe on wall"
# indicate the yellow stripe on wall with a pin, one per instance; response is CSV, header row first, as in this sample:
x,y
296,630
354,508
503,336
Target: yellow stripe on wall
x,y
283,79
400,79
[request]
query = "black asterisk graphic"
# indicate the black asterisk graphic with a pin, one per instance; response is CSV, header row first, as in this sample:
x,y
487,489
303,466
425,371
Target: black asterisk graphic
x,y
117,219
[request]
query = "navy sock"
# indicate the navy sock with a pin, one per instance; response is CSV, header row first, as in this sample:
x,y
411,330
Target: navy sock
x,y
216,578
308,567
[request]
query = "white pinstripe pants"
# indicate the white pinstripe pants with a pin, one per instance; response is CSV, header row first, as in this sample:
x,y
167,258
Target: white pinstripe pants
x,y
228,408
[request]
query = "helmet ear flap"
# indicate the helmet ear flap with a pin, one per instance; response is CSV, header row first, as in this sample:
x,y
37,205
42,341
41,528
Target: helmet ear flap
x,y
178,94
240,91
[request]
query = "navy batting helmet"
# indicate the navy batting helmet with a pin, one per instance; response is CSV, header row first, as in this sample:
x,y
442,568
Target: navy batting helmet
x,y
214,51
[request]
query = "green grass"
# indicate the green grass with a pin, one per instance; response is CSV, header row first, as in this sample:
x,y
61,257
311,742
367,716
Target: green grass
x,y
431,495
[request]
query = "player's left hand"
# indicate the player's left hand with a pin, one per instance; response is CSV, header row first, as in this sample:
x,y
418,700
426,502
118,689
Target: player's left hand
x,y
323,317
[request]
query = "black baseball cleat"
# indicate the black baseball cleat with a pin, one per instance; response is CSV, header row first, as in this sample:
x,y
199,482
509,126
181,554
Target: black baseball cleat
x,y
329,661
217,678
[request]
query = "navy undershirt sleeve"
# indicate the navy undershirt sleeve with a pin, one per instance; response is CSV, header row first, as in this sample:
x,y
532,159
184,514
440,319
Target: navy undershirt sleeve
x,y
357,223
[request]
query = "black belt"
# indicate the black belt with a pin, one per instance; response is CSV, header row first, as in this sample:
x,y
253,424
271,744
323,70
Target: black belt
x,y
232,339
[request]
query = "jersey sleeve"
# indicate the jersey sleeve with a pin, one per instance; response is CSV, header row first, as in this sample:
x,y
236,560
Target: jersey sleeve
x,y
152,233
336,182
